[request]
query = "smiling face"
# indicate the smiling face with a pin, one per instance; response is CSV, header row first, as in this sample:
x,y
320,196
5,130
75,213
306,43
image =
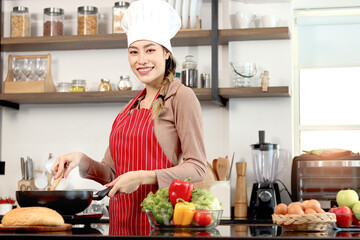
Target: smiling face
x,y
147,60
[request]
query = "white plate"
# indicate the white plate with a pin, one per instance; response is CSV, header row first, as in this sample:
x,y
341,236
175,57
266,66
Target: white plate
x,y
185,13
178,6
193,5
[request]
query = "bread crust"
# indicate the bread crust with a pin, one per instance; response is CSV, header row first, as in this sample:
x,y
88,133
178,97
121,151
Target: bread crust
x,y
32,216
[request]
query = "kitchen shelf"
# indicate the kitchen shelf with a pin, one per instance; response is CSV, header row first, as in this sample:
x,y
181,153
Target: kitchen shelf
x,y
203,94
116,41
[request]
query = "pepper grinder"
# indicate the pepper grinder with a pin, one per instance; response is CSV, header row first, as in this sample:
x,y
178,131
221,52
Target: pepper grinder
x,y
240,208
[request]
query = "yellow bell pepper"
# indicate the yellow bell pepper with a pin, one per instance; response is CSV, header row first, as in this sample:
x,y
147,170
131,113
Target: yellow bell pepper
x,y
183,212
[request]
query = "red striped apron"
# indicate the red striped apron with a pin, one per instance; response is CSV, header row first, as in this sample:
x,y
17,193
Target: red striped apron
x,y
133,147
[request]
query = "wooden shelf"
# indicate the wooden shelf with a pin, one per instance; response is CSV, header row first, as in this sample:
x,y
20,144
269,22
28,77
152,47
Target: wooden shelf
x,y
114,41
203,94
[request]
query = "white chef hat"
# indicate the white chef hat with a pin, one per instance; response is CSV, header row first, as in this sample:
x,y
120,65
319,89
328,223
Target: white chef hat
x,y
153,20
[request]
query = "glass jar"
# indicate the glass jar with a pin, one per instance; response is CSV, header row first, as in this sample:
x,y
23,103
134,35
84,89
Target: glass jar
x,y
189,74
53,22
20,22
105,85
78,85
87,20
64,87
124,83
118,13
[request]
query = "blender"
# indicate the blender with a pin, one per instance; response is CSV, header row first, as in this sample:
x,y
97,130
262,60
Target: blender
x,y
265,194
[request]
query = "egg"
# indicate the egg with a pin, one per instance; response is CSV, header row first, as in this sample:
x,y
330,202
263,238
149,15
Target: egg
x,y
295,209
297,203
312,204
281,208
310,211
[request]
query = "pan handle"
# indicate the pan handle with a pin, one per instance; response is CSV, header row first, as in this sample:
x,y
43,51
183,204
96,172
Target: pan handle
x,y
101,194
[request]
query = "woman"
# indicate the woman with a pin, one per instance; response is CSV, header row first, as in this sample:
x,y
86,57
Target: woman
x,y
152,131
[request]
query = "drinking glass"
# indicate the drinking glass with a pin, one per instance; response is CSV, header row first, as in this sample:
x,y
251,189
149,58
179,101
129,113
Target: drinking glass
x,y
16,69
26,67
40,66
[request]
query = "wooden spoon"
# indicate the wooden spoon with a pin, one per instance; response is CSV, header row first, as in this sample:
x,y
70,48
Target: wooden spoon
x,y
222,167
56,181
214,167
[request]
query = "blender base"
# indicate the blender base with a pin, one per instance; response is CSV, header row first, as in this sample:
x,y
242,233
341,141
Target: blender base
x,y
264,198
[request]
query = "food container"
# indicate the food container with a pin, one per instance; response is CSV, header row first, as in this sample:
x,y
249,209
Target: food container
x,y
119,10
105,85
78,85
124,83
189,73
304,222
168,224
87,20
53,22
20,22
64,87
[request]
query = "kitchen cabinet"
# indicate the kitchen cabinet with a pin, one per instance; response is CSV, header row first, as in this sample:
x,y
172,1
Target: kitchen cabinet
x,y
213,38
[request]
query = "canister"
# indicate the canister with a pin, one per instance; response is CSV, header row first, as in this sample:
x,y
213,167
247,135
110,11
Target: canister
x,y
105,85
53,21
189,74
119,10
78,85
205,80
124,83
87,20
20,22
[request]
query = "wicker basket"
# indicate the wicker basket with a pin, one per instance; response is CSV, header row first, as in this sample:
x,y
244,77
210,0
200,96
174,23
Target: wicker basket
x,y
304,222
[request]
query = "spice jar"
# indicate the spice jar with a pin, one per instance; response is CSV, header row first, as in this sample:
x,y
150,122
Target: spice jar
x,y
105,85
118,13
189,74
87,20
53,21
124,83
78,85
20,22
64,87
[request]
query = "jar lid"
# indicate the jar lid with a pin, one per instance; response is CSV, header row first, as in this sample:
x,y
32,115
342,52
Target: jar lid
x,y
105,80
54,11
64,84
79,82
124,77
122,4
189,62
20,9
87,9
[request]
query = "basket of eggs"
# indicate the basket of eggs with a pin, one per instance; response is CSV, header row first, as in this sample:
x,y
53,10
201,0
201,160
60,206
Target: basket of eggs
x,y
303,216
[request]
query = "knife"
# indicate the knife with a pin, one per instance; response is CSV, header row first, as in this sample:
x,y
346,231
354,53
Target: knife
x,y
30,166
22,165
26,175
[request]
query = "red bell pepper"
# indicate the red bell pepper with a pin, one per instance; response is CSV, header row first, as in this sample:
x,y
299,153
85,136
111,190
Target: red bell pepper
x,y
180,189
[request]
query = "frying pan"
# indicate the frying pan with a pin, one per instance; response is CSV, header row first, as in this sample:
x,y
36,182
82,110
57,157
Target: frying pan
x,y
64,202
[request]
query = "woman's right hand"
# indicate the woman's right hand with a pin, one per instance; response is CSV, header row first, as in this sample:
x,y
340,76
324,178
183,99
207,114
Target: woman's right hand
x,y
66,162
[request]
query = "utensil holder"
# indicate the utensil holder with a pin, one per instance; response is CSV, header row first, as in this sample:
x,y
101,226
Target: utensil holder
x,y
46,85
26,185
222,191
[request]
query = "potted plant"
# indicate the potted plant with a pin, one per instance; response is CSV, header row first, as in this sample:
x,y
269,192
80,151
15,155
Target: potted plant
x,y
6,204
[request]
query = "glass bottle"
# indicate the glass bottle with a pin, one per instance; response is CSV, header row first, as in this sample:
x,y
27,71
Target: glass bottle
x,y
78,85
20,22
105,85
124,83
87,20
53,22
189,74
118,12
64,87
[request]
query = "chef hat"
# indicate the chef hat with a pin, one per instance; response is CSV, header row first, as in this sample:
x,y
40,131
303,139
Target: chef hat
x,y
153,20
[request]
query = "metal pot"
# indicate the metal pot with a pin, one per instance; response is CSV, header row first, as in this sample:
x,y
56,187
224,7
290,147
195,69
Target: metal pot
x,y
64,202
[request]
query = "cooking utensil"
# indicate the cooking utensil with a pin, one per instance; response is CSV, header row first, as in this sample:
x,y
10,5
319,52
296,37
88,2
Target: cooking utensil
x,y
56,181
67,202
215,169
22,165
222,168
30,168
232,161
26,175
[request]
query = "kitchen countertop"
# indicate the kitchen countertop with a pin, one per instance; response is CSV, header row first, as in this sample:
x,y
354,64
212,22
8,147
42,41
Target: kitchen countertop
x,y
226,230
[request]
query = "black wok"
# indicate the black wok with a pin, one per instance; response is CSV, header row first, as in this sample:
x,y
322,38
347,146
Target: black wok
x,y
64,202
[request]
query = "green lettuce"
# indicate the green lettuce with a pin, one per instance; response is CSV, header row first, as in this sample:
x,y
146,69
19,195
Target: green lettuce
x,y
154,199
204,199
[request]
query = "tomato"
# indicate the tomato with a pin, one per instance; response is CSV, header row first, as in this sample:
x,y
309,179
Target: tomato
x,y
202,218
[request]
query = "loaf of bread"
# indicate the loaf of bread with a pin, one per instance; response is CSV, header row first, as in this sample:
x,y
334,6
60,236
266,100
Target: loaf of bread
x,y
32,216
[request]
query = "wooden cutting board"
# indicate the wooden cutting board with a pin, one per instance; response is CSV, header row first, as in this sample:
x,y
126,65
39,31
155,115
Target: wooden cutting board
x,y
65,227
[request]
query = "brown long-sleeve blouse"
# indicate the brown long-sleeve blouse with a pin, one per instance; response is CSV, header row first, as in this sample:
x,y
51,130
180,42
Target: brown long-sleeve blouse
x,y
179,131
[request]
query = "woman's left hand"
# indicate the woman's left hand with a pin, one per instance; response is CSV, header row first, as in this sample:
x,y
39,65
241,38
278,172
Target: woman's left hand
x,y
129,182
